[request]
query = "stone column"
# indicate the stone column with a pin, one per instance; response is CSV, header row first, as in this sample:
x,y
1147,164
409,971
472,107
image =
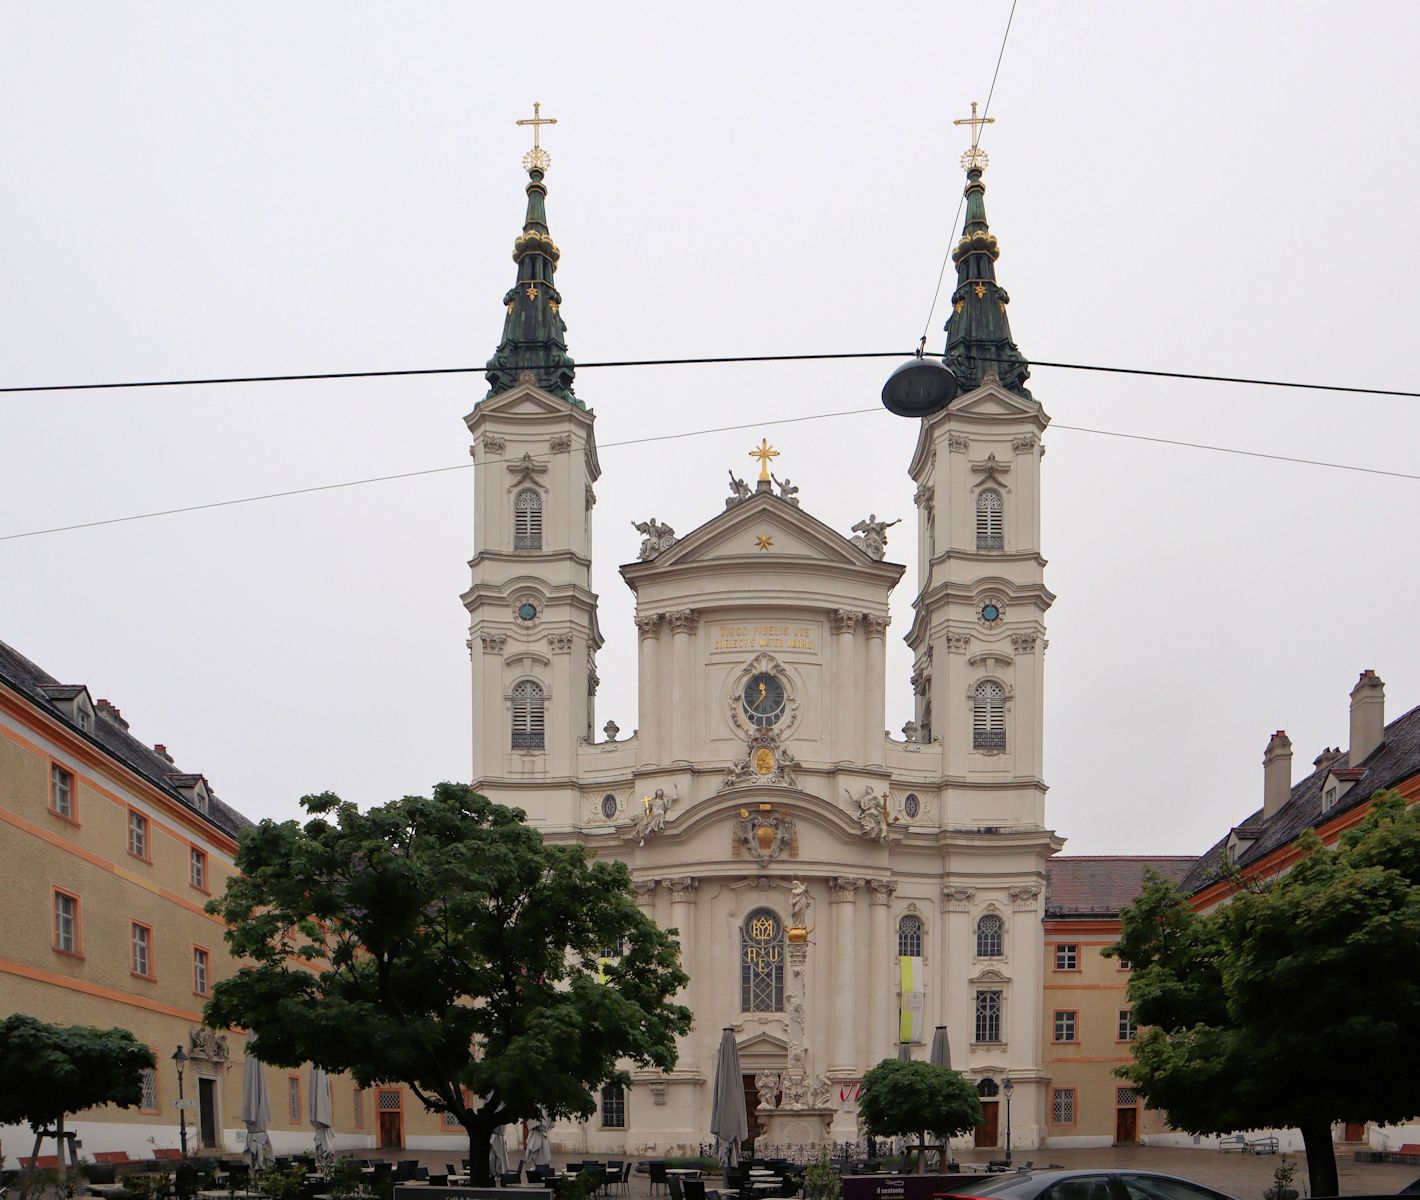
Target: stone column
x,y
845,736
876,1046
682,685
649,703
954,1003
875,690
682,889
645,890
843,1051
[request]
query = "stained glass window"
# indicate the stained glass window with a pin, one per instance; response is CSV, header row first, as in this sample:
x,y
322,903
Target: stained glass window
x,y
762,962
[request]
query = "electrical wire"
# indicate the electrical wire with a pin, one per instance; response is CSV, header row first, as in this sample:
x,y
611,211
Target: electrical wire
x,y
720,360
667,437
985,112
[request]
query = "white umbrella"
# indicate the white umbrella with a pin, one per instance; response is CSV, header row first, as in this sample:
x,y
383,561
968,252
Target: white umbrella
x,y
322,1112
941,1055
729,1121
256,1108
538,1151
498,1152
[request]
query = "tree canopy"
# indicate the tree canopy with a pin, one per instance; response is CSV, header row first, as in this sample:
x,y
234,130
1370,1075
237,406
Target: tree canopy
x,y
440,942
1295,1004
48,1071
900,1099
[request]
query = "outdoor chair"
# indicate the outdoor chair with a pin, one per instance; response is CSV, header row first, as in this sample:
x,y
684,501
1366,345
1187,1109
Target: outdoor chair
x,y
510,1178
677,1187
657,1172
694,1189
449,1170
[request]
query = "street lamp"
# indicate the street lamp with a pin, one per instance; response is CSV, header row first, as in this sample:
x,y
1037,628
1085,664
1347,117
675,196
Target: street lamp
x,y
180,1057
1008,1087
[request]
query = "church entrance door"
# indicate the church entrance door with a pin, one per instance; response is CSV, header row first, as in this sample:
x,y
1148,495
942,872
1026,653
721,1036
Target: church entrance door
x,y
988,1132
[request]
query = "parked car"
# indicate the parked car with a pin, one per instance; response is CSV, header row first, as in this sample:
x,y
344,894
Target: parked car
x,y
1084,1185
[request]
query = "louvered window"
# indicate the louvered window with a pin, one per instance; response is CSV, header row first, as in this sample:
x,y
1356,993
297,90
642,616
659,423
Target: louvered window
x,y
528,700
989,525
527,520
989,940
909,936
988,718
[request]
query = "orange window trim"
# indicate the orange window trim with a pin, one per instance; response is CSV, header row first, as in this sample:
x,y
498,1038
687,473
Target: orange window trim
x,y
147,855
205,888
196,949
1074,1105
1055,1017
73,817
152,972
78,951
96,760
60,843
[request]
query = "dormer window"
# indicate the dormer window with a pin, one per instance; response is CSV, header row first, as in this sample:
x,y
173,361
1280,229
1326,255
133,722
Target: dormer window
x,y
1328,799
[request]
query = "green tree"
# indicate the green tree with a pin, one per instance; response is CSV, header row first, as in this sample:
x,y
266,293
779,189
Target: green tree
x,y
901,1099
1296,1004
48,1071
441,943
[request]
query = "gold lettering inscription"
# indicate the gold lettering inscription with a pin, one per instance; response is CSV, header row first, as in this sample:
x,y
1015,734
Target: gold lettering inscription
x,y
765,637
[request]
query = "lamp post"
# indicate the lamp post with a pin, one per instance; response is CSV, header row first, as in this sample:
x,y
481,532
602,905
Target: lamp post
x,y
180,1058
1008,1087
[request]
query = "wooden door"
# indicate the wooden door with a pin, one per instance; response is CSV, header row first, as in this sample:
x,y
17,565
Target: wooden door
x,y
988,1133
1355,1131
1126,1125
390,1106
207,1112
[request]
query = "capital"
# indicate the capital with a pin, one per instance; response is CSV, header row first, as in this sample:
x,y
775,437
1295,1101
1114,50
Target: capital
x,y
682,888
682,620
880,891
956,898
843,887
843,620
649,625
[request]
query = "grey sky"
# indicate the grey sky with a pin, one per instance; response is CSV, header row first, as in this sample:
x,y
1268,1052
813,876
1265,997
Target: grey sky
x,y
265,188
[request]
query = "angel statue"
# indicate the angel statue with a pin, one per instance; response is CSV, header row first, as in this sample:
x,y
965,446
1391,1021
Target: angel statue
x,y
653,819
872,817
739,490
766,1083
655,537
787,490
872,536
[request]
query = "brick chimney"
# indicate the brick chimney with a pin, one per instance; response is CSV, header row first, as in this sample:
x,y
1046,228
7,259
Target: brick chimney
x,y
162,751
1276,774
1367,717
110,712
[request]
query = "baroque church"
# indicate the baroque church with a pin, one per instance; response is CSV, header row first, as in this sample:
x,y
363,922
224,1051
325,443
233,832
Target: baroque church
x,y
839,893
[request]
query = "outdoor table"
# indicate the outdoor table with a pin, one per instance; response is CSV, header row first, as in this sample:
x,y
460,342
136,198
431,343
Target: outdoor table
x,y
107,1189
687,1171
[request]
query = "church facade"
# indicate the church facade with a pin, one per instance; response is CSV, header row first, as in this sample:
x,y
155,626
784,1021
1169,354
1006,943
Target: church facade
x,y
838,892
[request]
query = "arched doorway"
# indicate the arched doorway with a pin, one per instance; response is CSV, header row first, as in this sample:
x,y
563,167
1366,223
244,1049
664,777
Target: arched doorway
x,y
988,1133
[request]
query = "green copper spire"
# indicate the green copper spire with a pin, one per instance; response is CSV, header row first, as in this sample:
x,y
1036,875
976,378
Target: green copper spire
x,y
978,334
534,345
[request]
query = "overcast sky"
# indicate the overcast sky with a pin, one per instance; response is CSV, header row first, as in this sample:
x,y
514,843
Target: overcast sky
x,y
200,190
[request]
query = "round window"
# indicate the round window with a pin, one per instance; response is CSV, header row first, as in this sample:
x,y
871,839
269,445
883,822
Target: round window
x,y
911,806
527,611
608,806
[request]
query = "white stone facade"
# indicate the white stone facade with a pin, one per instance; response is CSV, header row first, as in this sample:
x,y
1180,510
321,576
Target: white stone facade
x,y
764,603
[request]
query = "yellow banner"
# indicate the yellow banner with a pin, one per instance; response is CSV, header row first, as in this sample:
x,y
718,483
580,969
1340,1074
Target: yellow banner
x,y
909,1023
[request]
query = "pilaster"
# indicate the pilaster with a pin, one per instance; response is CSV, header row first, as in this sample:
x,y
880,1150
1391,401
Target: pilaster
x,y
843,1047
878,1040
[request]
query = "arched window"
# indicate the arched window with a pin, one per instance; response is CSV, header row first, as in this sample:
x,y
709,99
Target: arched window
x,y
988,716
909,936
528,700
987,1088
989,527
527,520
989,941
762,962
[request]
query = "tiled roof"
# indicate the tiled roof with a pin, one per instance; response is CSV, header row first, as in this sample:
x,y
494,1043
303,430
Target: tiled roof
x,y
1086,886
41,689
1395,760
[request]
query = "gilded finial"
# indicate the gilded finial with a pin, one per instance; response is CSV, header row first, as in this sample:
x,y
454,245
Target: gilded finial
x,y
975,157
538,159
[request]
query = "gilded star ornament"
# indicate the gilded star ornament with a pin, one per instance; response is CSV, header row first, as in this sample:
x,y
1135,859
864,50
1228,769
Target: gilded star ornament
x,y
532,292
764,541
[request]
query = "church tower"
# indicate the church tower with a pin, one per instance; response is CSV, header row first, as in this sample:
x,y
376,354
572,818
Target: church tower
x,y
978,636
533,632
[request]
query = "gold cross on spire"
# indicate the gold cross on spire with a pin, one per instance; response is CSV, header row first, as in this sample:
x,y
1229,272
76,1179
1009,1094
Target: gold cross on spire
x,y
537,159
975,157
764,452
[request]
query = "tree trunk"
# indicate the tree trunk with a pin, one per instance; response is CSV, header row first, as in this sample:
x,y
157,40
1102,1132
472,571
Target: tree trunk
x,y
922,1152
480,1139
59,1141
1321,1158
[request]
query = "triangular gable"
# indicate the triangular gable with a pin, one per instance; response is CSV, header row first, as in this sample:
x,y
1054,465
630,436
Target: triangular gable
x,y
526,399
992,400
793,534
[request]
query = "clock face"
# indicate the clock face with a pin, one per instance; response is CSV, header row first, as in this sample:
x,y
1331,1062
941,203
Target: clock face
x,y
527,610
763,700
990,611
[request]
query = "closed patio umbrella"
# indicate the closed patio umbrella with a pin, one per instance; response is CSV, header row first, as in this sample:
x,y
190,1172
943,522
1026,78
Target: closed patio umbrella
x,y
538,1152
904,1052
322,1112
498,1152
256,1109
729,1122
941,1055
